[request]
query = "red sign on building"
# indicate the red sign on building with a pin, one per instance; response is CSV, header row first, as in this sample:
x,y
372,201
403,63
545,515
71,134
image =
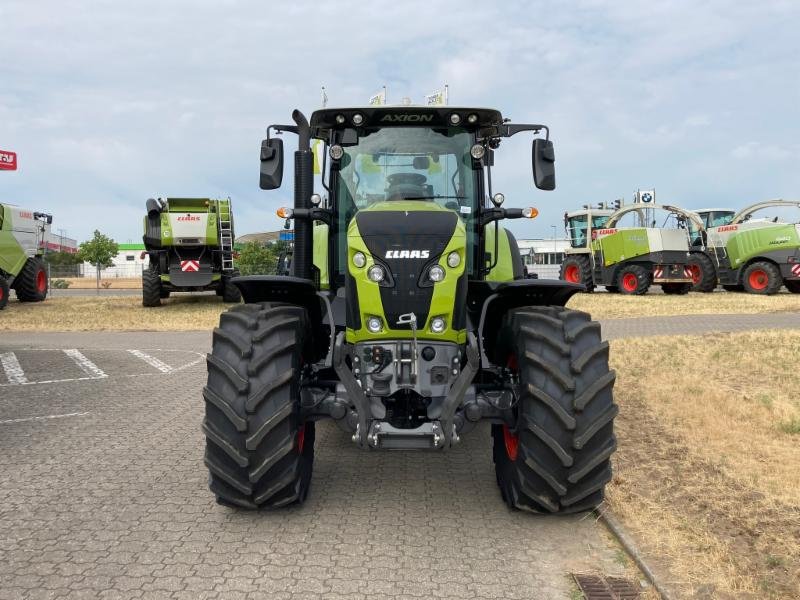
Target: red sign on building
x,y
8,160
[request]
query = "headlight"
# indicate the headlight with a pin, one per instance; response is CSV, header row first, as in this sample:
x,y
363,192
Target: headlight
x,y
336,152
477,151
359,260
455,119
358,119
438,324
436,273
375,273
453,260
374,324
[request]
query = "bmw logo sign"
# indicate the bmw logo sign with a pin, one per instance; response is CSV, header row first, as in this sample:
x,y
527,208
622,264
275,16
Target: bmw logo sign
x,y
647,197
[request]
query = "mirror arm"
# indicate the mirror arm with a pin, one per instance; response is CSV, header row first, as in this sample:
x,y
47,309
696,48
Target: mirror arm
x,y
282,128
513,129
488,215
313,214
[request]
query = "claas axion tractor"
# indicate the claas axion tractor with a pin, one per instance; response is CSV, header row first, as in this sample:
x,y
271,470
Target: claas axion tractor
x,y
407,319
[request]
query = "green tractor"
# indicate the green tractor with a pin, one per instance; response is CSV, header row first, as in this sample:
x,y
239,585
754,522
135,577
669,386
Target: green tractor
x,y
407,320
22,267
745,253
628,260
190,246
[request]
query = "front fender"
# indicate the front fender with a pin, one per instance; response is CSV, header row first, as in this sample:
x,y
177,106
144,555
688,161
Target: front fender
x,y
492,300
298,291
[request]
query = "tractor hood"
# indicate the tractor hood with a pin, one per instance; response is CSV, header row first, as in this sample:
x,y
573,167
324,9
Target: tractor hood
x,y
406,239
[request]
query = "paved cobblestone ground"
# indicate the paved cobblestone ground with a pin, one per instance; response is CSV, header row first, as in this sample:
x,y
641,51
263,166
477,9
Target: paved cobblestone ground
x,y
111,502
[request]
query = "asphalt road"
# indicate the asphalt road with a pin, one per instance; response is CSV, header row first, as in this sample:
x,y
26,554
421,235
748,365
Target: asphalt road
x,y
103,492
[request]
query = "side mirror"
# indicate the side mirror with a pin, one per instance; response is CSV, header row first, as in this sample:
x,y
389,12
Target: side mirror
x,y
271,164
544,168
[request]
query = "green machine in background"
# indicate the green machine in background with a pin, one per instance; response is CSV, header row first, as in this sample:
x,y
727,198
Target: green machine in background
x,y
629,259
743,252
22,267
190,246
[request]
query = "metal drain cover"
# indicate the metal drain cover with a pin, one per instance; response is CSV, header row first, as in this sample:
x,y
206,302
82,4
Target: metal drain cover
x,y
599,587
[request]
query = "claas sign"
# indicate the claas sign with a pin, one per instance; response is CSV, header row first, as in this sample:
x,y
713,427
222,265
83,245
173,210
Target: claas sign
x,y
8,160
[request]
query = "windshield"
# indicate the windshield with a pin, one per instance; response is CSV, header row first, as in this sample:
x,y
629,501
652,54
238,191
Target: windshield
x,y
577,228
406,163
716,218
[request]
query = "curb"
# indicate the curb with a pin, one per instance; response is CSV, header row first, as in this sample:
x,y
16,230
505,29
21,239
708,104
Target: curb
x,y
615,527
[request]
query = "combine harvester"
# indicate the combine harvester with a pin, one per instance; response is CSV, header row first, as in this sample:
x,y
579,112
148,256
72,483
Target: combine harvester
x,y
744,253
22,267
190,245
629,260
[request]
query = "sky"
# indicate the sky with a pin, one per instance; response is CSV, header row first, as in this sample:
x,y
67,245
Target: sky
x,y
108,103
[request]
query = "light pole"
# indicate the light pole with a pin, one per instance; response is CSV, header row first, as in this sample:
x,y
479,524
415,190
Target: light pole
x,y
555,246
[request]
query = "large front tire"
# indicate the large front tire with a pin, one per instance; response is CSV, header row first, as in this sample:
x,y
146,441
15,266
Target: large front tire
x,y
762,277
151,288
556,458
704,275
258,452
633,280
31,283
577,269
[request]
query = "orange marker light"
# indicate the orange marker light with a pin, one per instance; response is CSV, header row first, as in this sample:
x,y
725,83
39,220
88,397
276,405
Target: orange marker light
x,y
530,212
284,212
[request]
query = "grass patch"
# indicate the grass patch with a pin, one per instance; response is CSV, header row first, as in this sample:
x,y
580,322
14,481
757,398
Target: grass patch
x,y
617,306
791,427
707,471
113,313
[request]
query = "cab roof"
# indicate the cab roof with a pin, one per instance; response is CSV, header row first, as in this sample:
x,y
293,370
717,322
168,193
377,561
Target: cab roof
x,y
405,116
703,210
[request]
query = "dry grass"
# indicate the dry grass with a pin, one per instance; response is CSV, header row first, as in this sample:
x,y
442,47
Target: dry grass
x,y
616,306
113,313
708,470
114,283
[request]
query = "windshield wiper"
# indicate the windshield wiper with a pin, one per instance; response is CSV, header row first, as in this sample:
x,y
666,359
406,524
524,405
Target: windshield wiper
x,y
436,198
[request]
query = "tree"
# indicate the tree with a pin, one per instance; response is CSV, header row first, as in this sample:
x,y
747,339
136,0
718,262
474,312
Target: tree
x,y
257,259
99,251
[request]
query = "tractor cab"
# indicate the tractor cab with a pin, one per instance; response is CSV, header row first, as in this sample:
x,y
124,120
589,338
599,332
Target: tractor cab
x,y
579,226
714,217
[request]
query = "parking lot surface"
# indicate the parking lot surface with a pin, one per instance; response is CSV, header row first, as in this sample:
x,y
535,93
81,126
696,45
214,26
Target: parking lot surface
x,y
103,491
103,494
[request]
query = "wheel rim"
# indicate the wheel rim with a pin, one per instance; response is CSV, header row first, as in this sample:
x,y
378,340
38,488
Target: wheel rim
x,y
301,438
41,281
512,443
572,274
696,273
510,439
2,293
758,279
630,282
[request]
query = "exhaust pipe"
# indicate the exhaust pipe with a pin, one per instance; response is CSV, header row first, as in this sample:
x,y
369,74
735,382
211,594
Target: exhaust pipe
x,y
303,258
153,208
